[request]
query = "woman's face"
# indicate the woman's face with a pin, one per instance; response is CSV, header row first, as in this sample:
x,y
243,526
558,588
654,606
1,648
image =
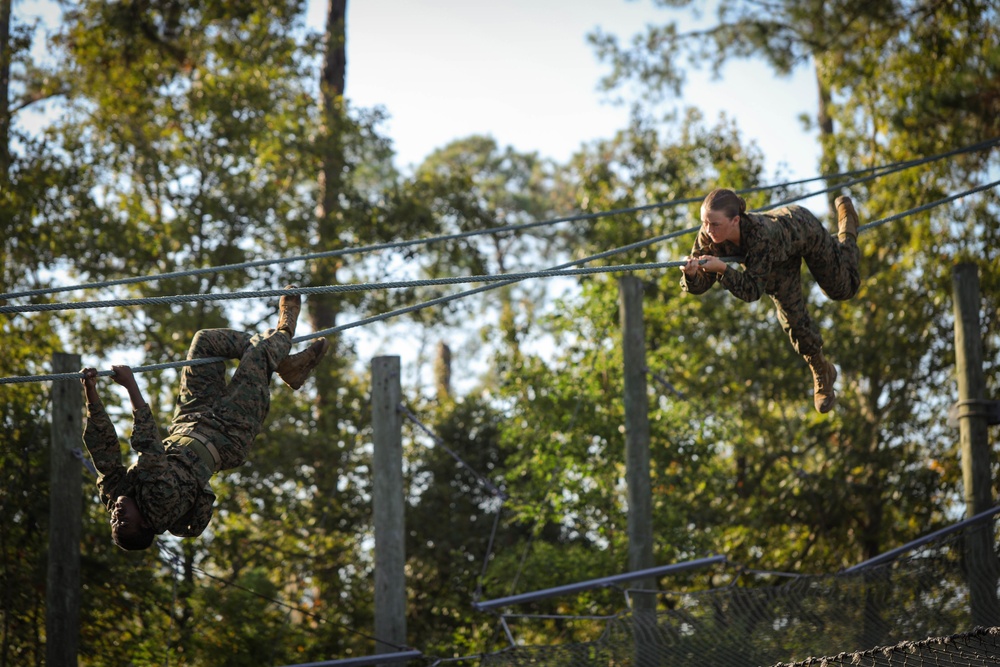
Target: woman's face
x,y
718,226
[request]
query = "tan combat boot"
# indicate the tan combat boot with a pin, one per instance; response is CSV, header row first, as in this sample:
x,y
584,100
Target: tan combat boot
x,y
847,219
295,368
824,375
289,307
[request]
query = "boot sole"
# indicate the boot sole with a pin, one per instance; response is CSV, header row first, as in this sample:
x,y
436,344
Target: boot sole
x,y
822,408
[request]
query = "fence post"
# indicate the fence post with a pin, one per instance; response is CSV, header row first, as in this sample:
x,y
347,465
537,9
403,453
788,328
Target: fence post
x,y
640,497
62,594
387,506
974,440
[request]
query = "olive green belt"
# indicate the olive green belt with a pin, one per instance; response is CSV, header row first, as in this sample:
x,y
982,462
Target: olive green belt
x,y
206,451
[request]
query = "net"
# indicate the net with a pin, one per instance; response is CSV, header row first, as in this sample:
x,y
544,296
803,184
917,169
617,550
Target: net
x,y
979,647
920,605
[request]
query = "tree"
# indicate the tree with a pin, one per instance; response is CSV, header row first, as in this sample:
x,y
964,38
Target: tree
x,y
449,515
185,142
474,185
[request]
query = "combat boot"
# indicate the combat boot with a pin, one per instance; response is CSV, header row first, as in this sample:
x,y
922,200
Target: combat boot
x,y
847,219
295,368
289,307
824,375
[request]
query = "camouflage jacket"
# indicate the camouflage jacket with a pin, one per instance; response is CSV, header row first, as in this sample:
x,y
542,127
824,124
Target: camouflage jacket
x,y
770,244
169,484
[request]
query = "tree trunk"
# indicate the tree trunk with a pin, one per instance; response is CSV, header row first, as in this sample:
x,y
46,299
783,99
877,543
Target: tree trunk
x,y
828,157
5,58
442,372
323,308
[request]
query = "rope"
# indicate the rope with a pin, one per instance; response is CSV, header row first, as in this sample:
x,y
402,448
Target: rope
x,y
497,281
927,207
451,280
337,289
360,249
872,171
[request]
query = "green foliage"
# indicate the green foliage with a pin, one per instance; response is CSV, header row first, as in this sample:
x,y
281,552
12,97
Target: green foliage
x,y
449,517
24,447
191,137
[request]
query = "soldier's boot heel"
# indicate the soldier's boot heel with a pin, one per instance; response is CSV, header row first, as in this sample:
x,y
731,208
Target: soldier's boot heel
x,y
295,368
289,307
847,219
824,377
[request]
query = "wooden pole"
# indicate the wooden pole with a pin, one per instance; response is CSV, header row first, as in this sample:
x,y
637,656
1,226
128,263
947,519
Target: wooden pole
x,y
387,506
974,440
640,497
62,595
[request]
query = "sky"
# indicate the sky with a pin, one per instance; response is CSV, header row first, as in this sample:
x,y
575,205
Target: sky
x,y
522,72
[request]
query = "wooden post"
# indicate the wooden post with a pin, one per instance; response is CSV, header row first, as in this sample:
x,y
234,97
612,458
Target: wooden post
x,y
442,372
387,506
62,595
974,439
640,497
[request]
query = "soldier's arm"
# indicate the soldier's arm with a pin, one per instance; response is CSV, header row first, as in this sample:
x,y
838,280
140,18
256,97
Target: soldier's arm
x,y
144,435
700,281
748,284
124,377
101,441
741,284
145,439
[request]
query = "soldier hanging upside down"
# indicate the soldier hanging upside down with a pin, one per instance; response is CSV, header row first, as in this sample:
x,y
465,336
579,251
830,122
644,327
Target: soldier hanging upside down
x,y
773,245
214,425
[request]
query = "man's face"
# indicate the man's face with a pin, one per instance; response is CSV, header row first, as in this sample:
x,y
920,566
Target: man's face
x,y
125,512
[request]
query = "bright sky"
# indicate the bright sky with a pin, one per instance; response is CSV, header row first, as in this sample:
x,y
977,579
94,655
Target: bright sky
x,y
522,72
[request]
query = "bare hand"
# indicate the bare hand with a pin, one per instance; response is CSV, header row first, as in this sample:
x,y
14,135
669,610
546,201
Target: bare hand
x,y
89,378
123,376
89,381
707,263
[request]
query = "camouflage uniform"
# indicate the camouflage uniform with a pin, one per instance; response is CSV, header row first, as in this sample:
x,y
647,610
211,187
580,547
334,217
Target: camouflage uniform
x,y
773,245
170,478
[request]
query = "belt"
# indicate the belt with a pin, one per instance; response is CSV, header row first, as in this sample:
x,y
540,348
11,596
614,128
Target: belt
x,y
205,450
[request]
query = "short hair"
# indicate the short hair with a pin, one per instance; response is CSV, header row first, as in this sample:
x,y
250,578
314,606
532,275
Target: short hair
x,y
133,537
727,201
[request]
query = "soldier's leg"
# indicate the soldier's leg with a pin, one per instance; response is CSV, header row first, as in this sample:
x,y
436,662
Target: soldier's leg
x,y
806,339
790,305
835,264
244,405
201,385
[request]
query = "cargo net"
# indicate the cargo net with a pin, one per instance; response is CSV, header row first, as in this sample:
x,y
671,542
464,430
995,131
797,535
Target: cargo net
x,y
978,647
915,608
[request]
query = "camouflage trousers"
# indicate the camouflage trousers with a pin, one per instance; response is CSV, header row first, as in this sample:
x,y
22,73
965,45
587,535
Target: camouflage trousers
x,y
835,266
229,415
